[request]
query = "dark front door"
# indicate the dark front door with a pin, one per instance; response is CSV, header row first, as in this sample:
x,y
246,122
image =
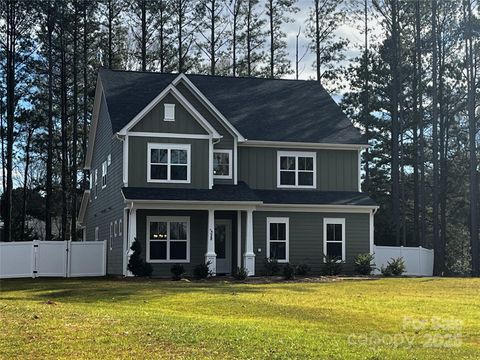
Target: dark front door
x,y
223,245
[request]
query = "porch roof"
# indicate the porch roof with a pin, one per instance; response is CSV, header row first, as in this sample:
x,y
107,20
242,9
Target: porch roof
x,y
243,193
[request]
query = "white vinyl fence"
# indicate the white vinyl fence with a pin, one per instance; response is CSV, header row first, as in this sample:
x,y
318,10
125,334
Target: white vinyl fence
x,y
418,260
52,258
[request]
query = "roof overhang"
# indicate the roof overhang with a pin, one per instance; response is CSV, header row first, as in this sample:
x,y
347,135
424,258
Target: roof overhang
x,y
303,145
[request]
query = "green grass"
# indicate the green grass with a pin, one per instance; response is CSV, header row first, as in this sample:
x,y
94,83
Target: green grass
x,y
105,318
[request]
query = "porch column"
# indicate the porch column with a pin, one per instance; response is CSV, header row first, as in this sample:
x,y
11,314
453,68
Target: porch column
x,y
211,256
249,256
132,234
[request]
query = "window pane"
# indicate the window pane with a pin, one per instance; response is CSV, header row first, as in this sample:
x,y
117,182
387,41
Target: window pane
x,y
287,178
158,231
178,231
287,163
305,163
158,172
330,230
334,250
278,250
178,250
220,234
338,232
273,231
179,156
158,250
282,231
220,158
178,172
305,178
221,170
159,156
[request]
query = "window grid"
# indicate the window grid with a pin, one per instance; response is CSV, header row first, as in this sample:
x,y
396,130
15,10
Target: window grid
x,y
172,160
334,229
277,234
220,162
167,238
296,169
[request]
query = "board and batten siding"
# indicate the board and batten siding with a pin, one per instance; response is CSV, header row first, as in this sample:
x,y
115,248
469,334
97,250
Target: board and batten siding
x,y
184,122
138,162
108,206
306,237
337,170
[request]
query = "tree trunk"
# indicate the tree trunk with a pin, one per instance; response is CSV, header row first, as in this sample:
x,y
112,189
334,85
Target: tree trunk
x,y
85,92
25,183
272,43
249,34
180,40
74,127
110,34
49,180
144,35
317,39
366,112
63,90
212,39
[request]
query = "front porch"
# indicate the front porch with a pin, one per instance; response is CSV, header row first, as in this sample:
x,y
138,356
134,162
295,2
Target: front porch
x,y
220,235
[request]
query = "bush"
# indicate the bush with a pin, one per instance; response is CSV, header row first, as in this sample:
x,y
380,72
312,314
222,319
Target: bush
x,y
363,264
271,266
177,271
202,271
288,272
136,265
302,269
331,265
395,267
240,273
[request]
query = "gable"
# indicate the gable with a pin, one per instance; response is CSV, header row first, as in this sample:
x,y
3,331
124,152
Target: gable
x,y
184,123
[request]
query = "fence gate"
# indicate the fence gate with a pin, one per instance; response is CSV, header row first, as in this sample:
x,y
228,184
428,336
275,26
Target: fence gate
x,y
52,258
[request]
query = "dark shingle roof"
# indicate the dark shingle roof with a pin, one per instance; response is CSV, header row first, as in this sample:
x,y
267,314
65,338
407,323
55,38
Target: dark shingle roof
x,y
260,109
242,192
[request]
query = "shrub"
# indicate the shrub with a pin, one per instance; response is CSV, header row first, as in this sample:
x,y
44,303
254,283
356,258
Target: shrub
x,y
363,264
302,269
240,273
288,272
136,265
271,266
331,266
395,267
202,271
177,271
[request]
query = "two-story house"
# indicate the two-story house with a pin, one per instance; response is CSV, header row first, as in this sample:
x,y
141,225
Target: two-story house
x,y
223,170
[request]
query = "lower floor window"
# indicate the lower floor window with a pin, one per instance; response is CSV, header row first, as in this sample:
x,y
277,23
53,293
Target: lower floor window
x,y
334,238
277,238
168,239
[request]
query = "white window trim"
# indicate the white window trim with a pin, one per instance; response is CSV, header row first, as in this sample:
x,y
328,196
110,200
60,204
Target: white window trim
x,y
96,183
120,225
280,220
340,221
229,152
169,147
115,228
96,233
168,219
104,173
297,154
111,236
171,107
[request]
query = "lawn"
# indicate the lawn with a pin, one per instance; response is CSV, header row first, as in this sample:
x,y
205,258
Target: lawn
x,y
404,318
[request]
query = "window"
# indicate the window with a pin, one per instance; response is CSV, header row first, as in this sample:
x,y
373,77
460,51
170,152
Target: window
x,y
96,233
104,174
120,227
96,182
168,239
109,159
169,111
334,238
168,163
296,169
277,238
111,236
115,229
222,164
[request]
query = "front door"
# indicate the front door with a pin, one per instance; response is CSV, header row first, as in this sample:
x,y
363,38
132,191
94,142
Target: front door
x,y
223,245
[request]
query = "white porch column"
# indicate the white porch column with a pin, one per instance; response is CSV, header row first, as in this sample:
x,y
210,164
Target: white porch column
x,y
211,256
132,234
249,256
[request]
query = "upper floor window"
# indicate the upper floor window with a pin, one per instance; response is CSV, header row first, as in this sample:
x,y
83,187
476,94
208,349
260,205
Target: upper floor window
x,y
169,112
104,174
296,169
168,163
222,164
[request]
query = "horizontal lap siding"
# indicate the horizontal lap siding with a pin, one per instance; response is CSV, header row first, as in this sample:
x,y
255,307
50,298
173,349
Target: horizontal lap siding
x,y
108,207
306,237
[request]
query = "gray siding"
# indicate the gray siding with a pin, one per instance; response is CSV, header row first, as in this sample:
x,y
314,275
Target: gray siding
x,y
184,122
108,206
137,162
306,237
336,169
